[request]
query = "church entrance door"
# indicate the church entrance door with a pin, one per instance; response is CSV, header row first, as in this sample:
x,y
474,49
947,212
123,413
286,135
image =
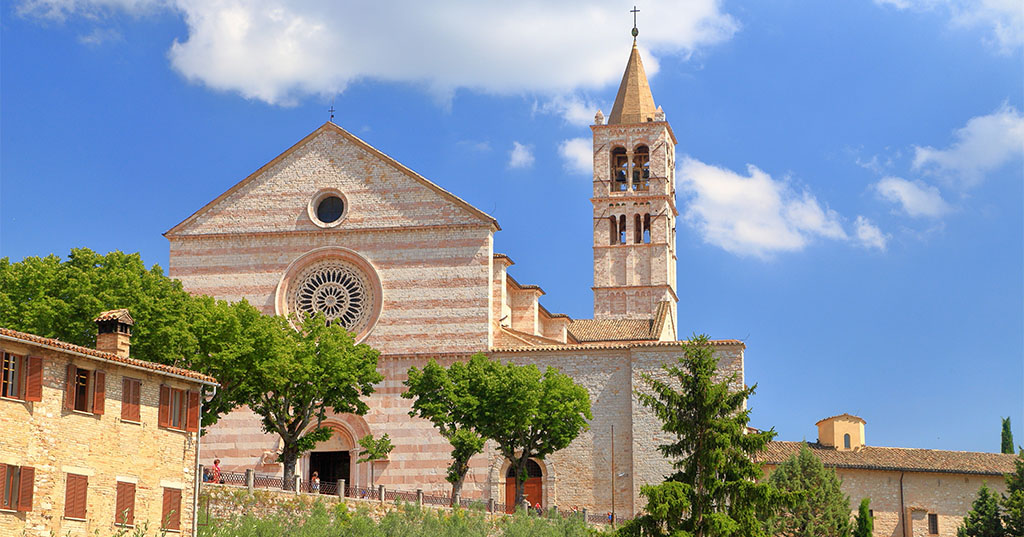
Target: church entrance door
x,y
533,489
330,466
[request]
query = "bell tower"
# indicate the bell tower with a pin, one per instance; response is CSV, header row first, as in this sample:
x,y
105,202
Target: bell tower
x,y
634,204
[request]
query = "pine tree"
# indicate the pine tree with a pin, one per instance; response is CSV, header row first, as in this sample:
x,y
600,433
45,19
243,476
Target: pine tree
x,y
715,490
1013,500
819,508
1007,436
865,523
983,518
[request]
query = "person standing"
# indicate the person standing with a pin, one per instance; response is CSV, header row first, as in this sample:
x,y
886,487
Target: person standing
x,y
216,477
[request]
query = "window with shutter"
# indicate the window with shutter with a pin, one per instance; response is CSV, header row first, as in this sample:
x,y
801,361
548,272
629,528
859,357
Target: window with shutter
x,y
172,509
75,496
11,486
82,390
12,376
34,379
131,390
99,392
125,515
26,488
176,409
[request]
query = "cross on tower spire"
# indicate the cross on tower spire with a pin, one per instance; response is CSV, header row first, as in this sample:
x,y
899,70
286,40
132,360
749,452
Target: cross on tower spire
x,y
331,110
635,32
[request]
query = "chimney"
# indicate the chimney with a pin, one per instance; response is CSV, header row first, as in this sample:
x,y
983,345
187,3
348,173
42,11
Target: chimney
x,y
114,333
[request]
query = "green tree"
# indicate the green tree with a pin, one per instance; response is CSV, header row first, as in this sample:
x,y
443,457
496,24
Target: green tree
x,y
442,396
1007,436
527,413
1013,500
291,378
819,507
715,490
983,518
374,450
59,299
864,526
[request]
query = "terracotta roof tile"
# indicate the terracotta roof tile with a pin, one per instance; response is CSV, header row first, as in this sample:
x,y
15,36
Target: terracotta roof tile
x,y
605,345
843,415
898,459
59,345
589,330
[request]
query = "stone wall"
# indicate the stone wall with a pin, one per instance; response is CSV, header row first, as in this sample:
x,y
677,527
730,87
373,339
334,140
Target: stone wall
x,y
106,449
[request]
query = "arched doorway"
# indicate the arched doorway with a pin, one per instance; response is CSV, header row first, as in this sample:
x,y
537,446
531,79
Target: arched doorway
x,y
333,459
534,488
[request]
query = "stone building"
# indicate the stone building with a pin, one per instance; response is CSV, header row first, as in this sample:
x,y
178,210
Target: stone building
x,y
94,440
335,225
914,492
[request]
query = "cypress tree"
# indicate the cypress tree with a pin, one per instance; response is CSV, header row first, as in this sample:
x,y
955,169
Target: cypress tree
x,y
865,523
1007,436
819,508
715,490
983,519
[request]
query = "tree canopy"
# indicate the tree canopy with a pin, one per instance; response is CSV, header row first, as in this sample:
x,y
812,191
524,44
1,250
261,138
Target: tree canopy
x,y
715,490
528,414
819,507
1006,437
374,449
1013,499
442,396
983,518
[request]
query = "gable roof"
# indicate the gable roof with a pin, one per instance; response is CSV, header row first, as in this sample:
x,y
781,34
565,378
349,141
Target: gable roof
x,y
895,459
61,346
846,416
120,315
332,127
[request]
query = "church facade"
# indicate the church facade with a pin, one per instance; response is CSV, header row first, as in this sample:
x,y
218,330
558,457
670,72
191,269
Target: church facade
x,y
335,225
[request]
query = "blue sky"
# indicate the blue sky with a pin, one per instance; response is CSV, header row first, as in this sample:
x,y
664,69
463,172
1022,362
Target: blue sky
x,y
851,197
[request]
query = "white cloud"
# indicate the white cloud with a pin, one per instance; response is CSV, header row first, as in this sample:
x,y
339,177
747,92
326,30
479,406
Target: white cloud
x,y
983,145
577,155
521,156
1004,19
869,235
279,51
575,110
914,197
754,214
98,36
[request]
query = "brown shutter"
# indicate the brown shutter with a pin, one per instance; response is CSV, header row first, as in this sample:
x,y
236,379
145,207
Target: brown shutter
x,y
171,518
192,419
3,484
99,384
125,504
130,399
75,496
34,380
164,416
69,388
28,478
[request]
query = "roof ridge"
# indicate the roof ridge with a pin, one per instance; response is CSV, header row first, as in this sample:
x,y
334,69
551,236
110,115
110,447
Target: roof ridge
x,y
59,345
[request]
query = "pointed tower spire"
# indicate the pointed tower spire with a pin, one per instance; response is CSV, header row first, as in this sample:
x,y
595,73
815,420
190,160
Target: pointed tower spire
x,y
634,102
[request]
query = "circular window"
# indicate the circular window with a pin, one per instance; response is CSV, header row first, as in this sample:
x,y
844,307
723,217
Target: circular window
x,y
335,288
330,209
327,208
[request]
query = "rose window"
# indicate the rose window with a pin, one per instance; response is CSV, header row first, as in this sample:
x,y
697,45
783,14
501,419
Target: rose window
x,y
335,288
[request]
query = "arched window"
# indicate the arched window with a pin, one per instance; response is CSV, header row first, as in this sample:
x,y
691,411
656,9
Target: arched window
x,y
638,232
613,227
641,168
647,228
622,229
620,169
846,441
532,470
